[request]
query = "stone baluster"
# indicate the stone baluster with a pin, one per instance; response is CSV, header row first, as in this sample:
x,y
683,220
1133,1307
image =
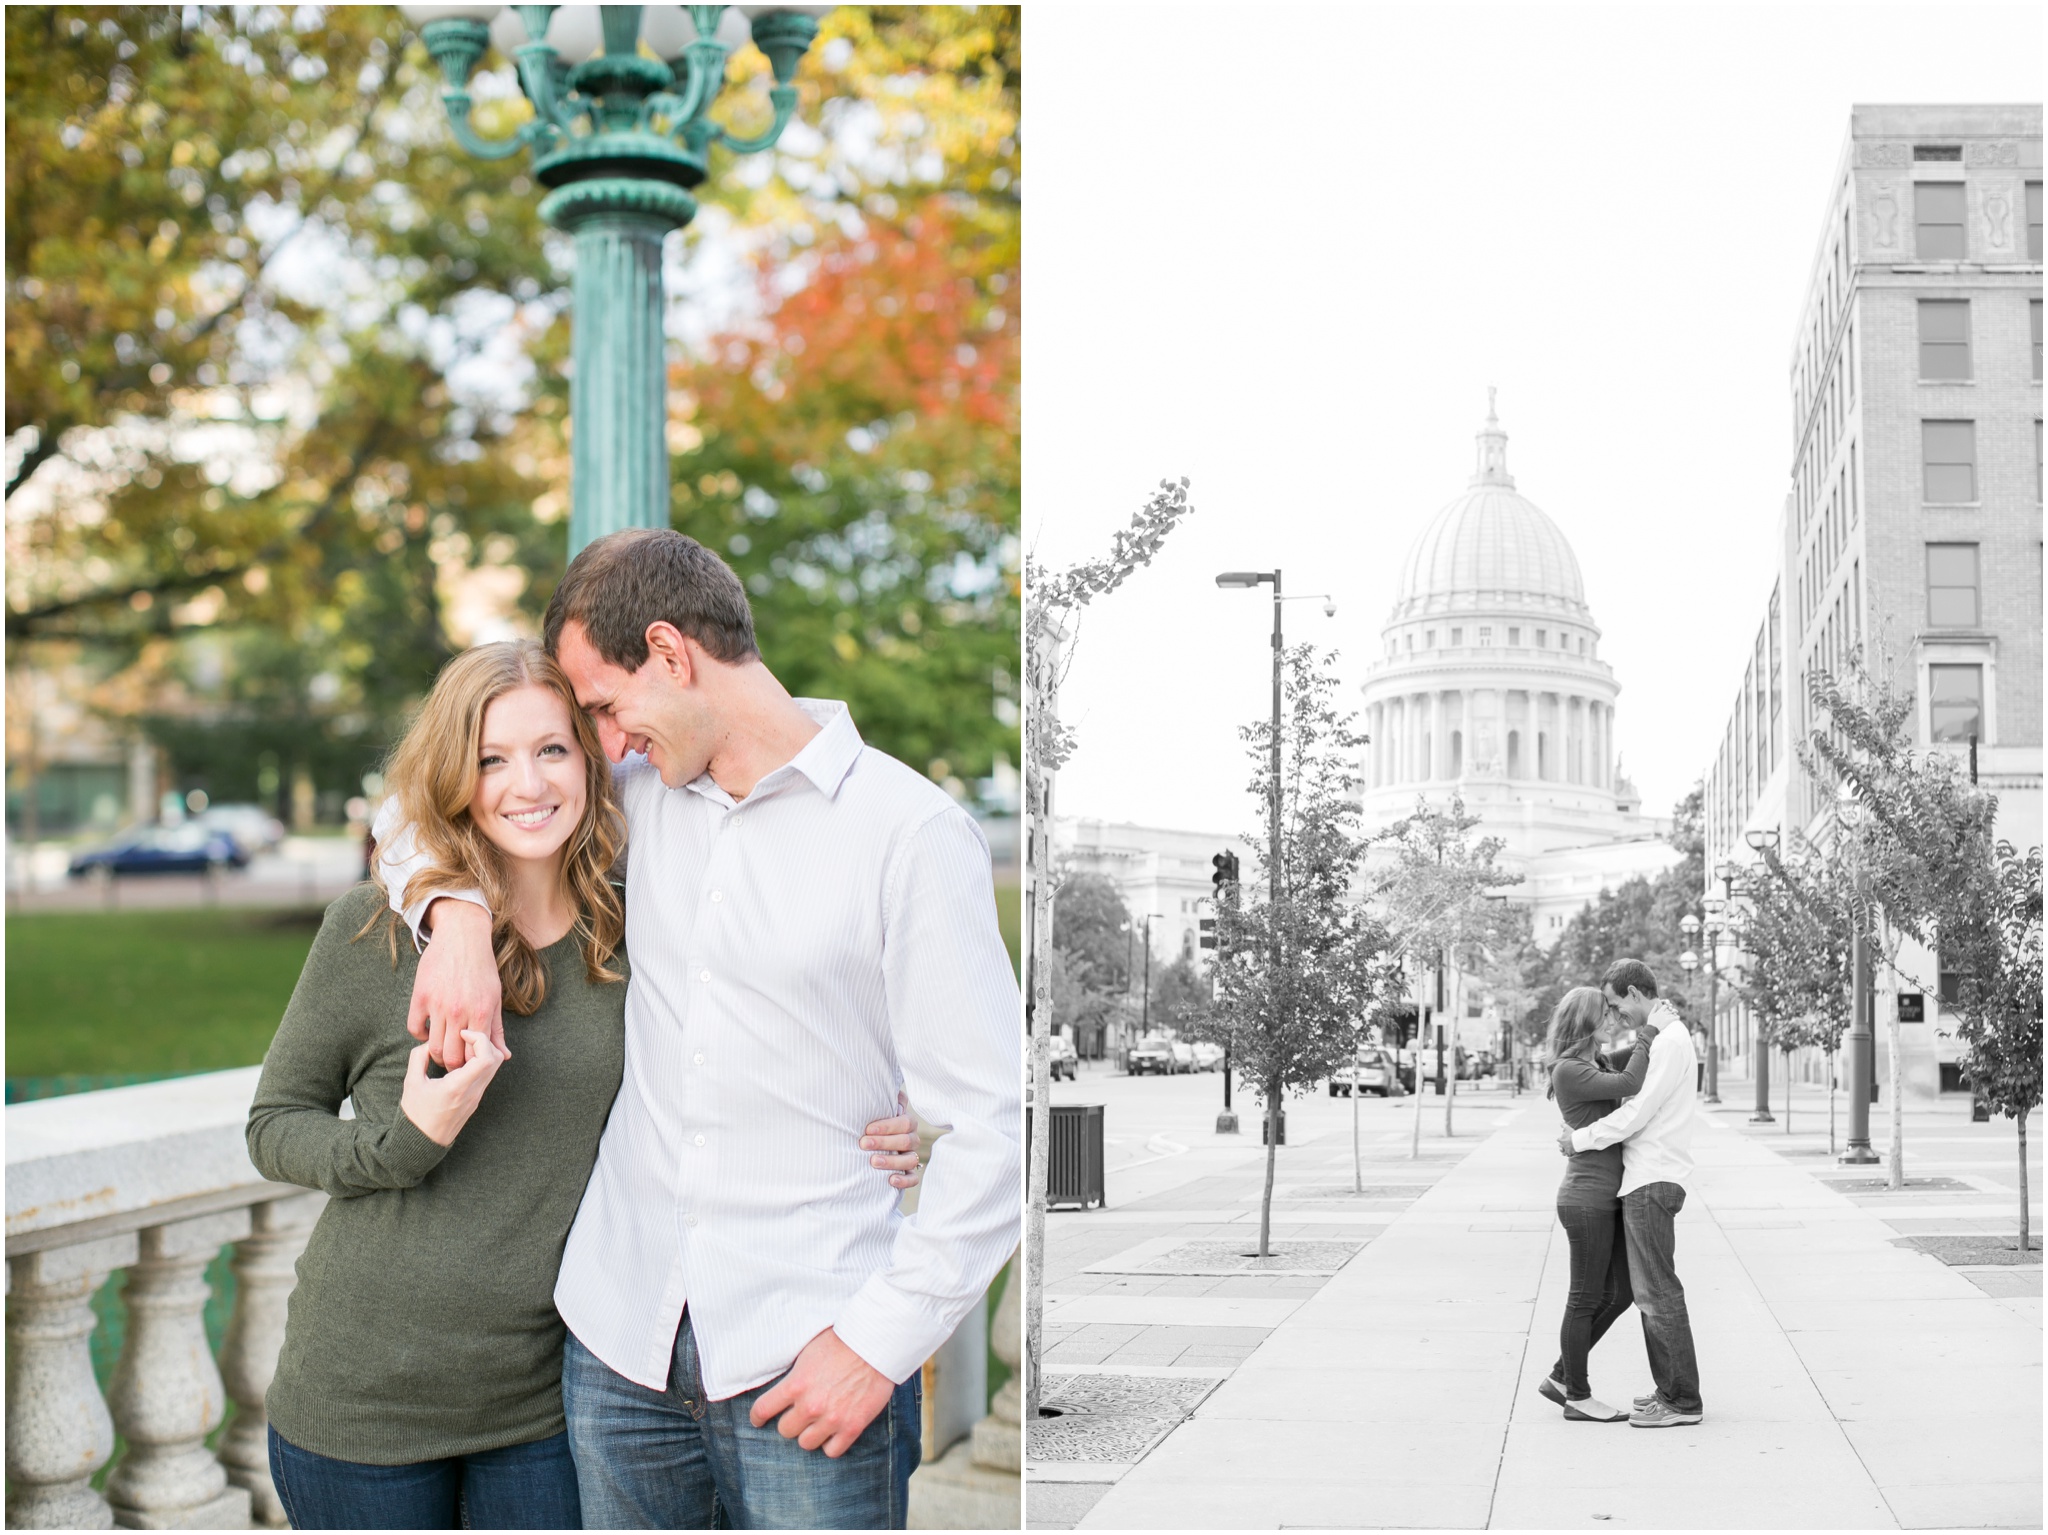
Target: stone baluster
x,y
999,1437
266,1269
59,1433
167,1394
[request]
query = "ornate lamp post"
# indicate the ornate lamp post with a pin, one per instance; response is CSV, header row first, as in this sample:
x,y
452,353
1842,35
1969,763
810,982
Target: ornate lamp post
x,y
620,137
1690,926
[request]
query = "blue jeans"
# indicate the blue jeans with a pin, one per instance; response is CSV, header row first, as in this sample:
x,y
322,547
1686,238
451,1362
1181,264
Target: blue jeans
x,y
1600,1290
1648,1216
520,1487
670,1460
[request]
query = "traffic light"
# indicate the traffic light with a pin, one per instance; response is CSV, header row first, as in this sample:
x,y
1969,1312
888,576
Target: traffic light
x,y
1226,871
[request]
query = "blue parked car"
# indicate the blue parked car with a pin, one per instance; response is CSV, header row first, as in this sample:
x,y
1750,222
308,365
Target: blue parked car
x,y
186,849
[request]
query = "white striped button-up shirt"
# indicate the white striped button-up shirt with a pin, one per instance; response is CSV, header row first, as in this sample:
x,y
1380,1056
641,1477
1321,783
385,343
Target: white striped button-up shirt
x,y
797,956
1655,1126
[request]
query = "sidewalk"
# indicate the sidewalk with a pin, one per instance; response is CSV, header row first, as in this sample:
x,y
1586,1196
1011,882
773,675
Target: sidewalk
x,y
1849,1382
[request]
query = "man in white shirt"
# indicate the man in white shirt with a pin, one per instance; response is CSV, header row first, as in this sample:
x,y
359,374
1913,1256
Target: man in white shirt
x,y
810,925
1655,1131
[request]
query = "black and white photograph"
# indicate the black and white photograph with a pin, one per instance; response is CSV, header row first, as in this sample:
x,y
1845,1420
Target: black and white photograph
x,y
1533,581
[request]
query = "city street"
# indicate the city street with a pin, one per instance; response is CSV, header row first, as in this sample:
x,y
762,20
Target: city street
x,y
1381,1371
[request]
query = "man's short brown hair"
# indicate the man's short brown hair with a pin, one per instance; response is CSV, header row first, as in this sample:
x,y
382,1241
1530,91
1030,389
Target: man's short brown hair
x,y
1624,973
627,580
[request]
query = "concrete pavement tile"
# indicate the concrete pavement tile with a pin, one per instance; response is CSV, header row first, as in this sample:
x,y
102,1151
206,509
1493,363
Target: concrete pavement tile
x,y
1079,1353
1297,1393
1973,1314
1228,1358
1876,1391
1907,1355
1282,1453
1301,1505
1372,1314
1417,1353
1059,1505
1168,1310
1976,1505
1931,1449
1215,1337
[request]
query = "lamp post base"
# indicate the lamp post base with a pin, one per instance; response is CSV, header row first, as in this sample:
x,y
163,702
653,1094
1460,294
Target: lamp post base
x,y
1859,1156
1226,1123
1763,1117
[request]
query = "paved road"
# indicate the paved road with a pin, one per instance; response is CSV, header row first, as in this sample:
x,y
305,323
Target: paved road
x,y
1851,1381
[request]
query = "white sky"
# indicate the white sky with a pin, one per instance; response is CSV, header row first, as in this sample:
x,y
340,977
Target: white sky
x,y
1284,251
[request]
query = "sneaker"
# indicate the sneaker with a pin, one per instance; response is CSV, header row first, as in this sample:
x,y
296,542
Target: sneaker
x,y
1660,1414
1551,1387
1590,1409
1644,1401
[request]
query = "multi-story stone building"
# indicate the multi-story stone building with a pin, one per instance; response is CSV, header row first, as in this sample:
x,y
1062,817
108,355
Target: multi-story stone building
x,y
1912,528
1491,685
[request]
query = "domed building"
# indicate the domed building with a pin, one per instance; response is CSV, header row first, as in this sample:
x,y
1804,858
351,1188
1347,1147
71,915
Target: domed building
x,y
1490,684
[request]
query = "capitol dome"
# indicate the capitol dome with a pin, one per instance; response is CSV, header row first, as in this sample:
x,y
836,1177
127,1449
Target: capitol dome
x,y
1491,548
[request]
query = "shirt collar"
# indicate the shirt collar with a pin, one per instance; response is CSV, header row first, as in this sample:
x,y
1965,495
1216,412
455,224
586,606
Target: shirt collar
x,y
825,759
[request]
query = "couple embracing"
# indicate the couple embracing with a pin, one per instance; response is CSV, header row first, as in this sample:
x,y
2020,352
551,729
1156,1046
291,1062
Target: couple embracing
x,y
1628,1134
626,1252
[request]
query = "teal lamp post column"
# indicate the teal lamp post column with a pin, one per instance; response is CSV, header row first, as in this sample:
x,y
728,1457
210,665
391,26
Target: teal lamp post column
x,y
620,135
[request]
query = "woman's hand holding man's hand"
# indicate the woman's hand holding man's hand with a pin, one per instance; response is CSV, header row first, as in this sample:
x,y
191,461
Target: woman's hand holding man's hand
x,y
457,989
440,1106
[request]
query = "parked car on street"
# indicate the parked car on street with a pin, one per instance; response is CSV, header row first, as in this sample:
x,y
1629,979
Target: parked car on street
x,y
1152,1056
1208,1056
1374,1071
185,849
254,829
1063,1061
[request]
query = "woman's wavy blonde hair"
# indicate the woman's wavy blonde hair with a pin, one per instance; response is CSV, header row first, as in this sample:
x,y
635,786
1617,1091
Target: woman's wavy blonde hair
x,y
1575,1020
433,771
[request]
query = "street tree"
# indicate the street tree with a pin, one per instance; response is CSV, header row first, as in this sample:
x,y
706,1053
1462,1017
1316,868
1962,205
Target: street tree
x,y
1440,892
1091,921
1056,601
1798,933
1305,973
1915,835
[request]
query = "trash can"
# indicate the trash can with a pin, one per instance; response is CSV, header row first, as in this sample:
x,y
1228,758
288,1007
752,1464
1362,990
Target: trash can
x,y
1074,1161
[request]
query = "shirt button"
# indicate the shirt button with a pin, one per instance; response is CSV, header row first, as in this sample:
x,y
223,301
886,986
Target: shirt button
x,y
700,1140
717,896
705,976
700,1057
689,1220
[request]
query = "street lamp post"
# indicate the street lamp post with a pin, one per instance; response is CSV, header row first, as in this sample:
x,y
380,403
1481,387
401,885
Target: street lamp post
x,y
1861,1040
1145,1010
620,139
1246,580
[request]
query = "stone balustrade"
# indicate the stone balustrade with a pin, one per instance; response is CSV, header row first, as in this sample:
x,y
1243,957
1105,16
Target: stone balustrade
x,y
155,1180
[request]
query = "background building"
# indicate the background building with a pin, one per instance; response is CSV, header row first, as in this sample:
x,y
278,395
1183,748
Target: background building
x,y
1912,528
1491,685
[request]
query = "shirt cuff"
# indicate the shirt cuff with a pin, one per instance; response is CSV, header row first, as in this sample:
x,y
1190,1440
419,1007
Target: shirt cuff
x,y
409,1151
1582,1140
890,1330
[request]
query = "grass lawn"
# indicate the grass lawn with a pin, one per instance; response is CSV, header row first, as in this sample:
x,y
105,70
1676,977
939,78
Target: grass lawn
x,y
159,993
150,993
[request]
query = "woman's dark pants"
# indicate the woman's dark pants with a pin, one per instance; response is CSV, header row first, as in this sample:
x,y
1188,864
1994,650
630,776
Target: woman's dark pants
x,y
1600,1289
520,1487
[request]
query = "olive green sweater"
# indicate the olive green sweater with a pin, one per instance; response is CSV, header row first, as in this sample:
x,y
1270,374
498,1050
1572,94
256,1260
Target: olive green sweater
x,y
423,1325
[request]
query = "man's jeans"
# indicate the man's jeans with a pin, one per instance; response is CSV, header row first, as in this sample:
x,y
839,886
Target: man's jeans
x,y
670,1460
1648,1216
520,1487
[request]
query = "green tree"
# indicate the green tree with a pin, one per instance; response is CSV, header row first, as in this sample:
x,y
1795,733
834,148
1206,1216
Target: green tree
x,y
1799,933
1180,995
286,387
1440,891
1090,922
1306,971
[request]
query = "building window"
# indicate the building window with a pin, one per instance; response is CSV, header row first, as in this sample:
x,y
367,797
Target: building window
x,y
1485,635
2034,323
1542,639
1951,154
1952,586
1411,640
1582,644
1955,702
1938,221
1457,636
1429,639
1515,635
1944,338
1457,753
1948,458
2033,221
1514,754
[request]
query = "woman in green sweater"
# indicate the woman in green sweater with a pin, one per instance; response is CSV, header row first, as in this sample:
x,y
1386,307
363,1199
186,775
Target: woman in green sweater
x,y
390,1409
1588,1087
